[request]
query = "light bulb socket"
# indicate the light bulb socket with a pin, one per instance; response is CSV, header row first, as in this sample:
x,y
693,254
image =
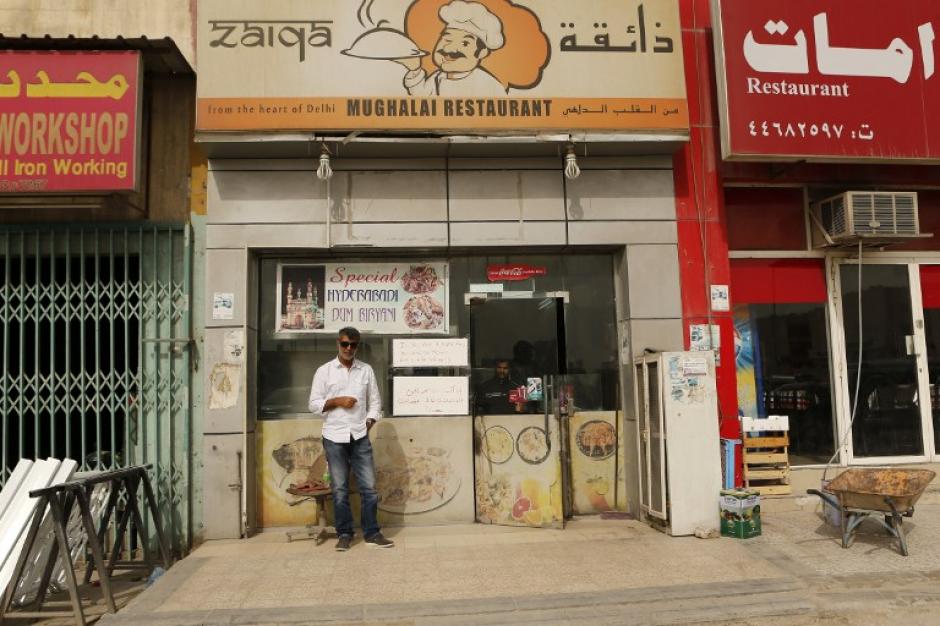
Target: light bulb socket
x,y
572,170
324,171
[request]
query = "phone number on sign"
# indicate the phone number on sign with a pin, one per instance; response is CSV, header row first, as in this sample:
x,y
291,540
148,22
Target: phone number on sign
x,y
766,128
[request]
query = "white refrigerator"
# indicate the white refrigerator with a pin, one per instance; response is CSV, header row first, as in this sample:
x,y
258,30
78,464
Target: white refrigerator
x,y
678,448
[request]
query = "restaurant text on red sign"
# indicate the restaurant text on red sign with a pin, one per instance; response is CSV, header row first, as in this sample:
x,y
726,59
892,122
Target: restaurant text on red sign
x,y
822,79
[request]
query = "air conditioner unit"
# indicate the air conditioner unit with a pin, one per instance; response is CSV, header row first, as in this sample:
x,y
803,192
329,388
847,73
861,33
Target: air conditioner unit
x,y
873,217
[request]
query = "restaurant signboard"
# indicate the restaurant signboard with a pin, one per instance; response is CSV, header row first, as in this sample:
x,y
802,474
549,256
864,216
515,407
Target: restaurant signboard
x,y
69,121
447,65
382,298
828,80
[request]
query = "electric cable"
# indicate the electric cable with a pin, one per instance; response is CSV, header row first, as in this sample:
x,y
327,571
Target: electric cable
x,y
858,376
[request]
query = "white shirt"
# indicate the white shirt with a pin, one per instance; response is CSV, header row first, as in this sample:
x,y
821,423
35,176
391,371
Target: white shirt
x,y
333,380
476,82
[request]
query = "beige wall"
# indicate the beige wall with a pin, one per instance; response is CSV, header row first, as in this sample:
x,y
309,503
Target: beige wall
x,y
105,18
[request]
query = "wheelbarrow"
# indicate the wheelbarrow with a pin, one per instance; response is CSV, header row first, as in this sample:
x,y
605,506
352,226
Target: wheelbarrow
x,y
860,492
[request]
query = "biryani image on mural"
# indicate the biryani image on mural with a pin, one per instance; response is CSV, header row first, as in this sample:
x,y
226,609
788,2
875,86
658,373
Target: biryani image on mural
x,y
414,480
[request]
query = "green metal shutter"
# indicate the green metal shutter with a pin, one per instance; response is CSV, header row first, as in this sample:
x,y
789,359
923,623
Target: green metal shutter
x,y
96,353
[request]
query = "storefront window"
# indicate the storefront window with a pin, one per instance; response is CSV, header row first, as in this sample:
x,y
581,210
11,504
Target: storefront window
x,y
782,350
558,321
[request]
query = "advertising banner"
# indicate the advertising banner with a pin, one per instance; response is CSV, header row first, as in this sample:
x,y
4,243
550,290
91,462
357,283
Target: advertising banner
x,y
451,65
69,121
383,298
828,79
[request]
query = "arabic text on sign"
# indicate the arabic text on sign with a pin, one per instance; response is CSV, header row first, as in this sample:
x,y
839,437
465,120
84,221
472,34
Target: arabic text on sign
x,y
84,86
601,41
894,61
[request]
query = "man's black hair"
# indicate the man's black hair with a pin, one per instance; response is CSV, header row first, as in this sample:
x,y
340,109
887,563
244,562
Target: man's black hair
x,y
350,333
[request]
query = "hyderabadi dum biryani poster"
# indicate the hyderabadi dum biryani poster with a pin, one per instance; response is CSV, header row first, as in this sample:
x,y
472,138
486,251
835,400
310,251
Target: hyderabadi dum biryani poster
x,y
386,298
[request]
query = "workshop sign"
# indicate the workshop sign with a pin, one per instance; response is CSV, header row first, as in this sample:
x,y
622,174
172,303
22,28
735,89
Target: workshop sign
x,y
443,65
828,79
69,121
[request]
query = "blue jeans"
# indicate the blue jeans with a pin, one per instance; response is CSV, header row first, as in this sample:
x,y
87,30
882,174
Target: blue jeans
x,y
356,455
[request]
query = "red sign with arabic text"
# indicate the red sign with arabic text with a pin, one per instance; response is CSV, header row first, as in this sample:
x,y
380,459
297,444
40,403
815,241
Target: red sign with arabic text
x,y
828,79
68,121
516,271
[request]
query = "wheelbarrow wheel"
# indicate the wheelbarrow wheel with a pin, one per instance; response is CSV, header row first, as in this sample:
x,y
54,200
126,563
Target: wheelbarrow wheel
x,y
890,521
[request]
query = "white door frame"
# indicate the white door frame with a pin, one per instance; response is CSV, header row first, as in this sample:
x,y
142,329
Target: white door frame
x,y
842,398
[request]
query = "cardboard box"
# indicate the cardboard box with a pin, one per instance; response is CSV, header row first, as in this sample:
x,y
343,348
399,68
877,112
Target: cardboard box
x,y
740,513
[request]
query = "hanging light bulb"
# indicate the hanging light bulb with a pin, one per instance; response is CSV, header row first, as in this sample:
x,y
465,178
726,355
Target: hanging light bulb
x,y
572,170
324,172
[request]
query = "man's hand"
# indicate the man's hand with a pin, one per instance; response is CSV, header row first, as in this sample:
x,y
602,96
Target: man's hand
x,y
344,402
369,424
412,63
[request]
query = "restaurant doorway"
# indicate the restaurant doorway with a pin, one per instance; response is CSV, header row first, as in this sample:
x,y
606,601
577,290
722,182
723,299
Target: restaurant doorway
x,y
517,352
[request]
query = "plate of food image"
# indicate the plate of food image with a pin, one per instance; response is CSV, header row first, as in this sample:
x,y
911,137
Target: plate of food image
x,y
420,279
423,313
497,444
596,439
417,481
532,445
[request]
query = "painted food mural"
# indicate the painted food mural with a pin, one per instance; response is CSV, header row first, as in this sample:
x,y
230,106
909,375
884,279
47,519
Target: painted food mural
x,y
302,461
597,439
497,444
415,481
521,489
596,462
532,445
420,466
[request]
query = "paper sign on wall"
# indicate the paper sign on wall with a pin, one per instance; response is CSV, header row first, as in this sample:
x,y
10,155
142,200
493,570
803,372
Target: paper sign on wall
x,y
430,395
720,298
450,352
223,306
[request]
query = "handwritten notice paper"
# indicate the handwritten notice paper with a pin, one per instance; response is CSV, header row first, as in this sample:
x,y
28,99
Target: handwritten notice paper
x,y
430,395
450,352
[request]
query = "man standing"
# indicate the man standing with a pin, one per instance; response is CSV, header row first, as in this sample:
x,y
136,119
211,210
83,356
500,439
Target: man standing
x,y
470,34
345,393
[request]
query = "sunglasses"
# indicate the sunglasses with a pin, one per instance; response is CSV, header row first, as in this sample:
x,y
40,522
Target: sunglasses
x,y
349,344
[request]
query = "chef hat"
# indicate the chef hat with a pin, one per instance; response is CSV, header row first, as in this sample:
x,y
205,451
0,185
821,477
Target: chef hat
x,y
474,18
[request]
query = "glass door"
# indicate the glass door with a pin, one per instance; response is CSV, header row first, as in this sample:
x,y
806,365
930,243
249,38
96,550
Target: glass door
x,y
517,356
930,297
890,418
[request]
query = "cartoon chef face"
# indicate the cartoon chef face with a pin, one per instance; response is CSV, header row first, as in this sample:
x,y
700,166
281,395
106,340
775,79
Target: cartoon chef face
x,y
470,34
459,51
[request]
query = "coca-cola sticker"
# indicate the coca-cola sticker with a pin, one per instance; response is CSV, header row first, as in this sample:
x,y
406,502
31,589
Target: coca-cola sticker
x,y
517,271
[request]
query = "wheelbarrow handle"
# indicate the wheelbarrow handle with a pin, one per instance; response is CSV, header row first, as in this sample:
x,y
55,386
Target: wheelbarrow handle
x,y
826,497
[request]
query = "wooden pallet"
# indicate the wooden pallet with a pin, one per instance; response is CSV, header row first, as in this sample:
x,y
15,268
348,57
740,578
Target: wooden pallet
x,y
767,463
